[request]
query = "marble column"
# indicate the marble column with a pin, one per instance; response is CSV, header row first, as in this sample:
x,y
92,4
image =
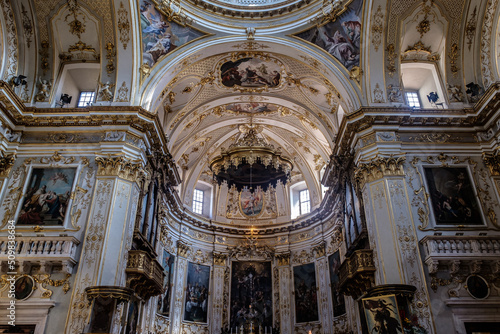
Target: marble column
x,y
324,293
285,289
219,270
391,230
106,243
178,293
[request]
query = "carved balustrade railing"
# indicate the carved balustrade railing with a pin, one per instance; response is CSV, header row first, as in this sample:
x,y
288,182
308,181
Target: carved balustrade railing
x,y
144,274
457,257
356,274
41,251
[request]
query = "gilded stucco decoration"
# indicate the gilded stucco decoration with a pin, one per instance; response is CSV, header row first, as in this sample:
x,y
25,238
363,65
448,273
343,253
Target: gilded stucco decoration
x,y
10,36
454,59
110,56
123,25
118,166
377,28
27,26
470,28
391,59
378,94
123,95
486,49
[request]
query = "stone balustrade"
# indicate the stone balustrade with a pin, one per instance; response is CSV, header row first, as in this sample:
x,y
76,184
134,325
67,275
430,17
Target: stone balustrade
x,y
46,252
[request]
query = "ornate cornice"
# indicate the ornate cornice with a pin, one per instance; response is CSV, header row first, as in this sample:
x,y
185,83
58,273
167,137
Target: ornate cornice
x,y
379,168
118,166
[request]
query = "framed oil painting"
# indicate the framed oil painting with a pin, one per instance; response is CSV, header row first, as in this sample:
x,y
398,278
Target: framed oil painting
x,y
306,298
250,72
251,294
196,303
452,196
47,196
382,315
340,38
251,203
160,36
337,296
24,287
168,269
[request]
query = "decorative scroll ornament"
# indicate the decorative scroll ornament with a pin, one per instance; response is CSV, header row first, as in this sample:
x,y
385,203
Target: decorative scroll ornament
x,y
123,25
492,161
6,163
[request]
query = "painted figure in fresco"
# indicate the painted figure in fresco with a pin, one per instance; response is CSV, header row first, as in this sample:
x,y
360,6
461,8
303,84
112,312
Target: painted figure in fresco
x,y
353,32
341,49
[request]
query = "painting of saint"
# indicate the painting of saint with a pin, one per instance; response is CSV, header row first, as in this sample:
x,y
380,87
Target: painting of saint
x,y
47,196
196,302
164,299
251,294
382,315
160,36
250,72
23,287
452,196
337,296
340,38
306,298
251,203
251,107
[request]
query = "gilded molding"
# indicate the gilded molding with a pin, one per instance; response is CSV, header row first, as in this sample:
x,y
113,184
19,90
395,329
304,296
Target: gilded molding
x,y
379,168
377,28
123,25
45,279
105,292
6,163
470,28
118,166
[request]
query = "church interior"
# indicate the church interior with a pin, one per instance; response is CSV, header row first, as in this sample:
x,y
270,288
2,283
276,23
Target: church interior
x,y
250,166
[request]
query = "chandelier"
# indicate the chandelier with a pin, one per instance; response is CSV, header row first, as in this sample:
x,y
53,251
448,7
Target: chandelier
x,y
251,162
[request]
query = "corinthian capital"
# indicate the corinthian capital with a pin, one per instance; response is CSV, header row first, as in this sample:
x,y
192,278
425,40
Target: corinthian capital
x,y
379,168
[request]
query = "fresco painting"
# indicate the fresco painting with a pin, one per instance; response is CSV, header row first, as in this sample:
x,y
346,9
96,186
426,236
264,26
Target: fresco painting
x,y
251,203
250,72
340,38
160,36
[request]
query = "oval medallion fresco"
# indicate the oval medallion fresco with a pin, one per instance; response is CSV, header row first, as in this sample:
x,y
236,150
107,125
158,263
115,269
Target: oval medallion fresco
x,y
251,204
250,72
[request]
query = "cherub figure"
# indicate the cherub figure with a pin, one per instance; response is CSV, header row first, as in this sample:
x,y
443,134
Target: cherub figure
x,y
105,93
44,87
455,93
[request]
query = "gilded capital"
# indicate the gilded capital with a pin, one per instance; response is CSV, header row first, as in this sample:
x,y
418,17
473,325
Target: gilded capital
x,y
283,259
6,163
182,249
118,166
219,259
379,168
492,161
319,250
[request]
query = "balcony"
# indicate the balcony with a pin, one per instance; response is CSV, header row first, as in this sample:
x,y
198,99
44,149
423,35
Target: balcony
x,y
144,274
356,274
45,252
